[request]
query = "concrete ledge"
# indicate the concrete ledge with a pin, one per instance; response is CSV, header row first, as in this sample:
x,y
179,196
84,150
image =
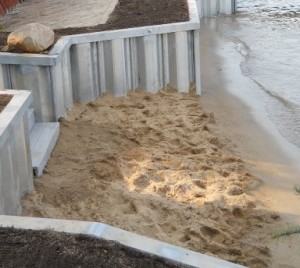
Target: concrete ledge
x,y
16,176
126,238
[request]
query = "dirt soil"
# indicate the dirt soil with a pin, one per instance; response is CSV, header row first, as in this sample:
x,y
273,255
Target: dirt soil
x,y
129,14
27,248
4,100
156,165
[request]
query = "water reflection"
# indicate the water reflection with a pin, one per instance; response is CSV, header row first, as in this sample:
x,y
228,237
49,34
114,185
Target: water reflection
x,y
267,34
286,10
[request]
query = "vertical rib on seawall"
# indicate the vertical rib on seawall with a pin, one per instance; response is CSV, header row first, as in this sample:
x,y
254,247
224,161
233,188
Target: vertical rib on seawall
x,y
82,64
118,62
8,185
147,49
226,7
62,87
210,8
182,58
23,173
38,80
67,80
197,61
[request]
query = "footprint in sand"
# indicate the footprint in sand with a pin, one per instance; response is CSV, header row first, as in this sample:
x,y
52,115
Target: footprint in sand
x,y
209,231
201,184
237,212
142,182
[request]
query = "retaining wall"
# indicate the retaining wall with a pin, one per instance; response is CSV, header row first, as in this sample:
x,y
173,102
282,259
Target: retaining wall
x,y
16,177
210,8
81,67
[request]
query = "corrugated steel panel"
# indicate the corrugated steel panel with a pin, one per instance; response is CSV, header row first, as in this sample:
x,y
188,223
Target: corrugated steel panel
x,y
210,8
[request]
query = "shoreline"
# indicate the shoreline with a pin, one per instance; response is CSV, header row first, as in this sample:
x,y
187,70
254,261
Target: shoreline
x,y
267,154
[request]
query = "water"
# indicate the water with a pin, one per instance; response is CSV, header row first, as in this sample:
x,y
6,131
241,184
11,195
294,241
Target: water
x,y
267,34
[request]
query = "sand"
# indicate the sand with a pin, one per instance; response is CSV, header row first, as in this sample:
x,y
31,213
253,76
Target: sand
x,y
159,166
4,100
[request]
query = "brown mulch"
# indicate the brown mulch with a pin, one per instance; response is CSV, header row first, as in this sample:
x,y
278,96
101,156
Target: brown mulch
x,y
28,248
4,100
129,14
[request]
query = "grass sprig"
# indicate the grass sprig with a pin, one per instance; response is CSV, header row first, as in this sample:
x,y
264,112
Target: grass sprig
x,y
297,189
295,229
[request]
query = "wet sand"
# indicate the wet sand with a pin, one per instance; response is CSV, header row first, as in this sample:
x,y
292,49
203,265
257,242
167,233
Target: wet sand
x,y
256,141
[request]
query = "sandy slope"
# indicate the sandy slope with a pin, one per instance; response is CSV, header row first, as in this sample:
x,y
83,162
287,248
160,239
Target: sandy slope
x,y
155,165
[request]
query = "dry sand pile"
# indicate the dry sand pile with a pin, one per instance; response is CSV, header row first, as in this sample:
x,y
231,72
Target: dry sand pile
x,y
155,165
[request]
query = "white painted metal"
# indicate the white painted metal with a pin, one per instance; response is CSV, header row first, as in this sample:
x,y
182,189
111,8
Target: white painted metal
x,y
58,90
38,79
31,119
118,62
16,177
147,53
82,64
197,61
67,80
9,188
165,58
227,7
182,58
210,8
133,64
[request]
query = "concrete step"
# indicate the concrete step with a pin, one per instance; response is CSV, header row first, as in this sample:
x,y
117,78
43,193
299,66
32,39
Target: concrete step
x,y
43,138
31,119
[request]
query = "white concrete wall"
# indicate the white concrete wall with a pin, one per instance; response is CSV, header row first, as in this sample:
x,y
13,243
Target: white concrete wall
x,y
16,177
81,67
210,8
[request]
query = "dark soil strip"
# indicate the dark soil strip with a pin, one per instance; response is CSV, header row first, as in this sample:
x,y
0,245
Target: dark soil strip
x,y
4,100
132,13
27,248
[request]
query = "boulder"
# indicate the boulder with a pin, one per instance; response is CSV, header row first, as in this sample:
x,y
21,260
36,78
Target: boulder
x,y
32,37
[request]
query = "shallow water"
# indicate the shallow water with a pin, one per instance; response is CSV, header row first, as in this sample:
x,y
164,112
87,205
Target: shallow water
x,y
267,35
271,8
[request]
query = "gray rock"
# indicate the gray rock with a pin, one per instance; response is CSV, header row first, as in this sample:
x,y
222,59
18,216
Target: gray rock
x,y
32,37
